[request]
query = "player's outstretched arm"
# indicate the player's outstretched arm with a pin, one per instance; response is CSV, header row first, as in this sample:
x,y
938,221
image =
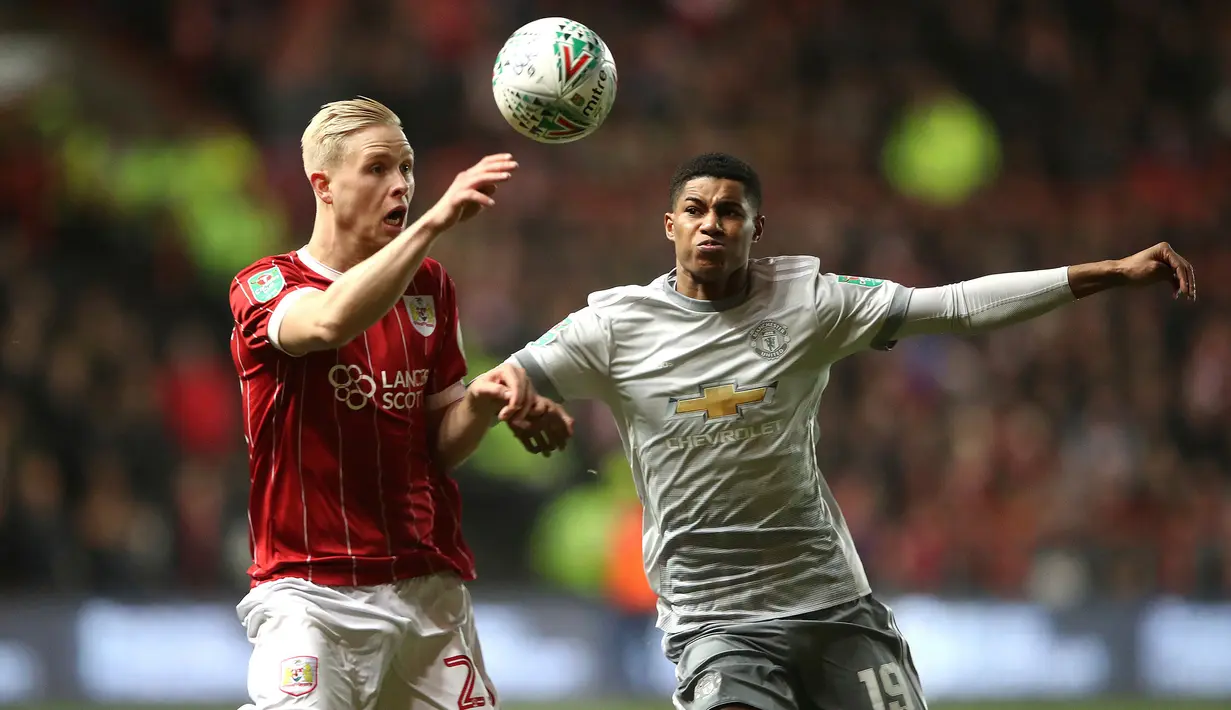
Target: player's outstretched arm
x,y
323,320
1002,299
547,427
503,393
1154,265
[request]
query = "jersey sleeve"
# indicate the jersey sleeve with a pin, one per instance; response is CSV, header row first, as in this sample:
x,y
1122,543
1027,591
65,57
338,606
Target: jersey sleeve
x,y
570,361
856,313
260,297
445,383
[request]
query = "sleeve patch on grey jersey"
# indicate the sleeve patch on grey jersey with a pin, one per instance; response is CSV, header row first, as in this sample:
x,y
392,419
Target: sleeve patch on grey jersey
x,y
860,281
551,335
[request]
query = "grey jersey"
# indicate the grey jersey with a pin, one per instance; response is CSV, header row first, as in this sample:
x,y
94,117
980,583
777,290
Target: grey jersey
x,y
716,403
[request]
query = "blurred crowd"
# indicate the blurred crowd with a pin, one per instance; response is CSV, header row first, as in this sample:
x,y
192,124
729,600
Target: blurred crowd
x,y
1086,454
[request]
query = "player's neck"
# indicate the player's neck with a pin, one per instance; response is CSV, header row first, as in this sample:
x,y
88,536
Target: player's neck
x,y
333,248
719,290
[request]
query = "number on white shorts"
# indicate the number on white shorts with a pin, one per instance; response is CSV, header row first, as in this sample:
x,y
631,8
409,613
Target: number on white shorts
x,y
466,700
889,684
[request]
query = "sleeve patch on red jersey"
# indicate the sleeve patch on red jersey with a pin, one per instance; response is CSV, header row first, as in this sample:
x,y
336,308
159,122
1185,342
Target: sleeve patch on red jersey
x,y
266,284
422,310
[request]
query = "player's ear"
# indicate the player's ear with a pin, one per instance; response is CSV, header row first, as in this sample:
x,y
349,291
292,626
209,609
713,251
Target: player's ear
x,y
758,227
669,225
321,186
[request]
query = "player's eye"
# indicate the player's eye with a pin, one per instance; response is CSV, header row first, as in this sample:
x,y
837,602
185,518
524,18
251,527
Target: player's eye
x,y
377,169
692,211
405,168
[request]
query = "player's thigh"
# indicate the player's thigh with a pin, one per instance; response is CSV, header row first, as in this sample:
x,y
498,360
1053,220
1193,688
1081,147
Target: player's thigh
x,y
865,665
439,673
732,671
314,647
441,667
295,664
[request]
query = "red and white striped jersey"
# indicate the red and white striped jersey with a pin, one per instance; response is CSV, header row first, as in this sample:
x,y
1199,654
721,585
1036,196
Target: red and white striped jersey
x,y
343,489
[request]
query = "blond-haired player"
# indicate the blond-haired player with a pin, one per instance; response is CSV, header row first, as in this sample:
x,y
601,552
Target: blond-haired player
x,y
351,370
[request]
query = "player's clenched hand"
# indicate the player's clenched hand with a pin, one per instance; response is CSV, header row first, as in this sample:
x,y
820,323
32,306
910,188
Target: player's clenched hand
x,y
546,427
1160,263
505,388
471,191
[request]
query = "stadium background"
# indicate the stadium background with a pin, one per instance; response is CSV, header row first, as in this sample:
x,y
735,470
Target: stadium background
x,y
1048,508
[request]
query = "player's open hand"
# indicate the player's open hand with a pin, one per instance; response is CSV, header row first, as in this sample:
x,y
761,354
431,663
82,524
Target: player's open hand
x,y
472,191
1160,263
545,428
505,390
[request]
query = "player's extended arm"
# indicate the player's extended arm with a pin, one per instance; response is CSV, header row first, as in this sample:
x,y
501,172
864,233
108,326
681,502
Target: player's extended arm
x,y
323,320
1003,299
503,393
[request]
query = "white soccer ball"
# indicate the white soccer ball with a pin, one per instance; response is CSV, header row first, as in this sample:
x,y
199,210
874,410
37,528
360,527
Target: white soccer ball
x,y
554,80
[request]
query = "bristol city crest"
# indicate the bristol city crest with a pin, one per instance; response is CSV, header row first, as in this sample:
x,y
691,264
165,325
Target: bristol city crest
x,y
298,675
422,311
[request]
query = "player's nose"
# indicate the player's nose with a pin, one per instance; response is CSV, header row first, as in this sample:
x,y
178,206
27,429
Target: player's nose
x,y
400,188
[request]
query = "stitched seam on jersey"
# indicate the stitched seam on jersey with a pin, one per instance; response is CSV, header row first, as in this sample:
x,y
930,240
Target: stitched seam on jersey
x,y
414,520
380,471
246,387
337,419
303,491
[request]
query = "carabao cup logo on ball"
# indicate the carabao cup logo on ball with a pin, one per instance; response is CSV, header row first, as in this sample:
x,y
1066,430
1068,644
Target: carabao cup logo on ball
x,y
554,80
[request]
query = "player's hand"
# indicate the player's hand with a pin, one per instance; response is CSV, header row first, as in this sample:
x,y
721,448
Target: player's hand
x,y
1160,263
471,191
546,428
505,390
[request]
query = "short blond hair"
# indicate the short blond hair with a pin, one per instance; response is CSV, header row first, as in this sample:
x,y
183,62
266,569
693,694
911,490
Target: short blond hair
x,y
324,140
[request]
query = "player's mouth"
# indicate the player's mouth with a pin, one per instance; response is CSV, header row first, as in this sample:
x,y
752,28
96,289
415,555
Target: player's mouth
x,y
395,220
711,246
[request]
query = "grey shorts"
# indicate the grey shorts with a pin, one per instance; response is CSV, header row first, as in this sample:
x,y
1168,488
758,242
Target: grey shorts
x,y
847,657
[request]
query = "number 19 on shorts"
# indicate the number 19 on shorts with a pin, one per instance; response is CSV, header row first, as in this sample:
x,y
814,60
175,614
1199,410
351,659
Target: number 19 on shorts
x,y
886,683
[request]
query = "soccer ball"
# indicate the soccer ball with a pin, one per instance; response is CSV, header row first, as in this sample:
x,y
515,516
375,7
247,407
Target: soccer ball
x,y
554,80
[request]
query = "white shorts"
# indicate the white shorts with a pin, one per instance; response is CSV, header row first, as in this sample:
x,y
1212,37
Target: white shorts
x,y
411,645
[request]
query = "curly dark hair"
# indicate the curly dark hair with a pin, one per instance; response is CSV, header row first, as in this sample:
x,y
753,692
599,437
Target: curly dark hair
x,y
718,165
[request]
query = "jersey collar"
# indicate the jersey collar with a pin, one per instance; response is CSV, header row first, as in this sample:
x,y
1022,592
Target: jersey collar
x,y
699,306
311,262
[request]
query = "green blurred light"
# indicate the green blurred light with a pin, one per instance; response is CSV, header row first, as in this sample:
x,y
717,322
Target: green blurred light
x,y
942,151
570,543
205,183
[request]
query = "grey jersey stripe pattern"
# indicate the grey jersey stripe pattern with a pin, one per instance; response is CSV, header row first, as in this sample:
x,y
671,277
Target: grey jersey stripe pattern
x,y
716,407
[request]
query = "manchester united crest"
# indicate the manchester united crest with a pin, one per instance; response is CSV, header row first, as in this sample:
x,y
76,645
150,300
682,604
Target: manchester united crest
x,y
707,685
769,339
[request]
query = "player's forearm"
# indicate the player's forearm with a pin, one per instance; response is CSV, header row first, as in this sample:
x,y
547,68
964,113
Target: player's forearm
x,y
991,301
1089,279
461,430
365,293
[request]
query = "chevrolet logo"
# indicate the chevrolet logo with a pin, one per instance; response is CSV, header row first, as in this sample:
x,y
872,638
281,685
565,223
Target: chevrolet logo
x,y
718,401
